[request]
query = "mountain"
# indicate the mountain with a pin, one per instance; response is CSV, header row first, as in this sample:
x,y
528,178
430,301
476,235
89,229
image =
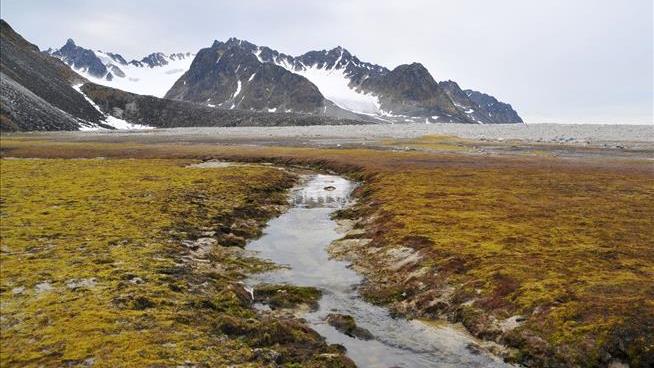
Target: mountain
x,y
227,75
228,84
36,89
40,92
153,75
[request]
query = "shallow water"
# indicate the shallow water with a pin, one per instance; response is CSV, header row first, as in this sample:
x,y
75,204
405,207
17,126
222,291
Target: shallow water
x,y
299,238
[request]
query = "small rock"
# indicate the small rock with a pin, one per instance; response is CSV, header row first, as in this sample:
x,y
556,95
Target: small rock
x,y
347,325
136,280
267,355
43,287
511,323
74,284
18,290
474,349
329,188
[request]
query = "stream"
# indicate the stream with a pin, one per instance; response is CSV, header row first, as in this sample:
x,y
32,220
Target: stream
x,y
298,239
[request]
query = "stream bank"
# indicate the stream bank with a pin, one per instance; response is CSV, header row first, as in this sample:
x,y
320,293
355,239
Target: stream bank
x,y
298,240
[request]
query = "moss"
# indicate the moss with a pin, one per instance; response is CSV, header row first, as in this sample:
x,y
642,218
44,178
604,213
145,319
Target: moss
x,y
94,266
347,325
566,243
287,296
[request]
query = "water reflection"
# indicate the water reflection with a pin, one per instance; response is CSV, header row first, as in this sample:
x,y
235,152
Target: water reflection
x,y
323,191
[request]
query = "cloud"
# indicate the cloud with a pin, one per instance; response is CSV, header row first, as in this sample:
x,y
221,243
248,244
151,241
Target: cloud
x,y
556,60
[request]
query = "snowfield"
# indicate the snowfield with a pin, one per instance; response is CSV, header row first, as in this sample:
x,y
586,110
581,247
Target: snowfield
x,y
334,85
142,80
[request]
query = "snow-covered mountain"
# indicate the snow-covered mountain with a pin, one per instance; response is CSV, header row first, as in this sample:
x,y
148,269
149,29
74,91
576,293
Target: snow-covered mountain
x,y
152,75
40,92
237,74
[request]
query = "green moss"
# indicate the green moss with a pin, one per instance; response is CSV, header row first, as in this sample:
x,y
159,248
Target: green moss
x,y
566,243
94,268
287,296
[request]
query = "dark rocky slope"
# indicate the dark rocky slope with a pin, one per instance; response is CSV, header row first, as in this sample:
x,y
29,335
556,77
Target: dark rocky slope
x,y
167,113
36,89
229,75
498,111
411,90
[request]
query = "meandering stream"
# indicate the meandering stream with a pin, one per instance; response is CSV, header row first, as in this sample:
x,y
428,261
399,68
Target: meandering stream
x,y
299,238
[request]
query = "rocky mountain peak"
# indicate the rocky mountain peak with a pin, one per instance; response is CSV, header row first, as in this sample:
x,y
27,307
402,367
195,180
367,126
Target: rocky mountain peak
x,y
117,58
81,59
233,75
155,59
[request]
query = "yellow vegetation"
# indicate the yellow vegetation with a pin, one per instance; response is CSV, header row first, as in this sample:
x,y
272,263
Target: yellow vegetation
x,y
93,269
566,244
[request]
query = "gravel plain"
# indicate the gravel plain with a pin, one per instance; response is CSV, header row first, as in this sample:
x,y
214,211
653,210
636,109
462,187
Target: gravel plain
x,y
627,136
536,132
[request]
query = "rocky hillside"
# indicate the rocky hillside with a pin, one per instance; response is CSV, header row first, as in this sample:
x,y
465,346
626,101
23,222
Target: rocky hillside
x,y
36,91
166,113
240,75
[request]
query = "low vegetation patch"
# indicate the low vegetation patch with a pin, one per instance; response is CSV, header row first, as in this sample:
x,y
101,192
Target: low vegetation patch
x,y
347,325
558,262
123,263
286,296
553,257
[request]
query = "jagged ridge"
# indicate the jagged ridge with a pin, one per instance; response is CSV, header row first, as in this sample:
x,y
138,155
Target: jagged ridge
x,y
406,93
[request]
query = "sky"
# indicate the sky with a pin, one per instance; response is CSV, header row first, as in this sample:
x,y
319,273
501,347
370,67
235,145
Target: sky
x,y
557,61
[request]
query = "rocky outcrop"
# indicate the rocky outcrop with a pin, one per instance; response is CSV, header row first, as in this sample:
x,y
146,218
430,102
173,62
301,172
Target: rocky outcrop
x,y
410,90
497,111
82,59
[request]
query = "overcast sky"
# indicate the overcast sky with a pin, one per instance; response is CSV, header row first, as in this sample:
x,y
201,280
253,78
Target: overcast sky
x,y
553,60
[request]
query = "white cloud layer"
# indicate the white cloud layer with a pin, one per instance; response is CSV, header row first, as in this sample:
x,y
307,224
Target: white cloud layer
x,y
554,60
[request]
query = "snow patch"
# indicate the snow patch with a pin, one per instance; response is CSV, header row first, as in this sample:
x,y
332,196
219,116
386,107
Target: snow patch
x,y
334,85
257,53
109,120
238,89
